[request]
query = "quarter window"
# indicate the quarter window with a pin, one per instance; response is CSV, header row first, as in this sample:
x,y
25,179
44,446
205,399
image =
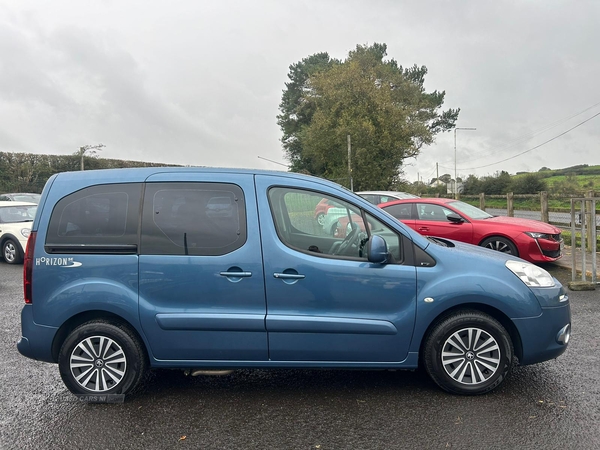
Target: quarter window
x,y
103,217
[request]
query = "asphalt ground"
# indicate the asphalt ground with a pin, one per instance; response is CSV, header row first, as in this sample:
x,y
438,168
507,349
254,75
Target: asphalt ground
x,y
553,405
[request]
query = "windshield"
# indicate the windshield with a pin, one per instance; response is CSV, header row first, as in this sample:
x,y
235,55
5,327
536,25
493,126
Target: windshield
x,y
470,210
15,214
33,198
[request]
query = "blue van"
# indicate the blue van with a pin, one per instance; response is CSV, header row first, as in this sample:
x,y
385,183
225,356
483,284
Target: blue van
x,y
209,270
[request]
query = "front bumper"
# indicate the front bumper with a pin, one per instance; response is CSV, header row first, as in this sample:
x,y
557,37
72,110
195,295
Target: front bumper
x,y
546,336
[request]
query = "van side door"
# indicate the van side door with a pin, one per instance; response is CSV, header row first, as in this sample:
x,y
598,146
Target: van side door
x,y
201,277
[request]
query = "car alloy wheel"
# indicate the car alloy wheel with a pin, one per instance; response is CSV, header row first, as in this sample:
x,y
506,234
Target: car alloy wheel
x,y
98,364
471,356
11,252
468,352
100,357
321,219
500,244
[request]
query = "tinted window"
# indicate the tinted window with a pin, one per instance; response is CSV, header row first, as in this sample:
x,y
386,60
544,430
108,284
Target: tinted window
x,y
101,216
400,212
370,198
193,219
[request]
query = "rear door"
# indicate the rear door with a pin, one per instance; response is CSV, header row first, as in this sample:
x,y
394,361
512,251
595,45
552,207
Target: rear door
x,y
325,301
201,278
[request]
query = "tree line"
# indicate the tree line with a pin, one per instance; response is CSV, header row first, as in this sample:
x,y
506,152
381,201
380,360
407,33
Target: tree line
x,y
502,182
27,172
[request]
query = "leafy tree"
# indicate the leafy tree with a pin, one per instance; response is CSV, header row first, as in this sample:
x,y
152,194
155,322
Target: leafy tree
x,y
383,107
530,183
472,185
496,185
296,111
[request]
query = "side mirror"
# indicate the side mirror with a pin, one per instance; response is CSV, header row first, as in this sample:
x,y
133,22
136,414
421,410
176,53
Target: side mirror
x,y
377,250
455,218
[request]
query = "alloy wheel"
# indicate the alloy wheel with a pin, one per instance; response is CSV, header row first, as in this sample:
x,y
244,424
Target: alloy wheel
x,y
98,363
471,356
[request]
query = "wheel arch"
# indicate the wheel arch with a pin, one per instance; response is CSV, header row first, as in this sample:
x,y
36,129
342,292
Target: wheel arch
x,y
504,320
87,316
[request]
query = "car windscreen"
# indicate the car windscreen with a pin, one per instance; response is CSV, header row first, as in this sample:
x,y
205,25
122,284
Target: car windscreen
x,y
33,198
470,211
16,214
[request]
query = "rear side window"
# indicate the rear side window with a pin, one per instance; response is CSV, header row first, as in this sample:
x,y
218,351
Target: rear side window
x,y
98,219
204,219
401,212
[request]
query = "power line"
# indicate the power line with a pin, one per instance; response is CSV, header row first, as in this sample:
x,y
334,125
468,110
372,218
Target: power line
x,y
533,148
526,137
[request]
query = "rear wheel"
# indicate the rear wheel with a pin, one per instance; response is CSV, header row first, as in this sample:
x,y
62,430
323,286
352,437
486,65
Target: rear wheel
x,y
99,357
11,251
500,244
468,353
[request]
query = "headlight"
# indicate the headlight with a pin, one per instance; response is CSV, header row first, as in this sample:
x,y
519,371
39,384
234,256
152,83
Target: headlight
x,y
538,235
532,276
25,232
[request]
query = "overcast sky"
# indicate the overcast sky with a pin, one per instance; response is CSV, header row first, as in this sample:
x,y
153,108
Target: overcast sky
x,y
199,83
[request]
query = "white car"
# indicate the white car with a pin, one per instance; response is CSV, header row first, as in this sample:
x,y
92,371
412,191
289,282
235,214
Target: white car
x,y
15,225
377,197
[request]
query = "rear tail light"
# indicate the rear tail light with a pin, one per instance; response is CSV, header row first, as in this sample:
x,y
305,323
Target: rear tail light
x,y
28,267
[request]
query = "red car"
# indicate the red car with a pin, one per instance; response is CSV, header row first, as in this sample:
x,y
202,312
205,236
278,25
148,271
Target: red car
x,y
531,240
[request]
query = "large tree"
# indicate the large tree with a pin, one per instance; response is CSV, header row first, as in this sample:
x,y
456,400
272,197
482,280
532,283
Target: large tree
x,y
382,106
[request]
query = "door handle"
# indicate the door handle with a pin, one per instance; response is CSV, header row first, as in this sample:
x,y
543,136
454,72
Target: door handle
x,y
236,274
423,228
289,276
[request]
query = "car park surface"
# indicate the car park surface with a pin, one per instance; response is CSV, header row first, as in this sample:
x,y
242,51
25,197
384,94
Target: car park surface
x,y
217,269
528,239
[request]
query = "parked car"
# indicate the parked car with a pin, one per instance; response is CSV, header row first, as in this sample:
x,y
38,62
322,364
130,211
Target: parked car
x,y
377,197
528,239
21,197
15,224
322,209
210,270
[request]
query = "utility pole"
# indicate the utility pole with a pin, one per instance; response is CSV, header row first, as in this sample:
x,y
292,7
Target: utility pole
x,y
455,175
90,150
350,164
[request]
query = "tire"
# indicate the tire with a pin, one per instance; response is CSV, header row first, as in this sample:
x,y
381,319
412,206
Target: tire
x,y
114,364
321,219
500,244
472,371
11,251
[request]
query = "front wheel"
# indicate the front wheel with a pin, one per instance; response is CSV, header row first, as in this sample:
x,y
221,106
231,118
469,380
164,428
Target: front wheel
x,y
500,244
468,353
11,252
99,357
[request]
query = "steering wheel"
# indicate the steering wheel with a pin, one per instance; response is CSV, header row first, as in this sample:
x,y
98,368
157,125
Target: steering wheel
x,y
350,239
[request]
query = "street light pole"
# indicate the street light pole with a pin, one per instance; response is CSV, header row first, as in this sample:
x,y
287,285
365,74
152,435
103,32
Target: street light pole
x,y
455,174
